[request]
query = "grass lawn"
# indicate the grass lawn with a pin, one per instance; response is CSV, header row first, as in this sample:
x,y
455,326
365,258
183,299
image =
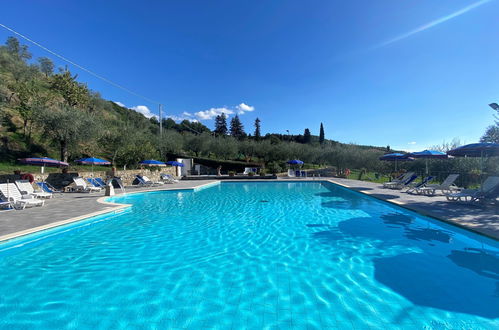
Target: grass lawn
x,y
9,168
368,176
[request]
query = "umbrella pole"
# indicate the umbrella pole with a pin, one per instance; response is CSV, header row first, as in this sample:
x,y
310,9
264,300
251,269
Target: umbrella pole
x,y
426,166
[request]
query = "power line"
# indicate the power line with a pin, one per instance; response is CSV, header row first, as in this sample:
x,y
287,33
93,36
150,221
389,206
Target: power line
x,y
80,67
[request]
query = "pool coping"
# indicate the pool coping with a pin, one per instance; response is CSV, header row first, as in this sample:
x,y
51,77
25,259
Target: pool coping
x,y
119,207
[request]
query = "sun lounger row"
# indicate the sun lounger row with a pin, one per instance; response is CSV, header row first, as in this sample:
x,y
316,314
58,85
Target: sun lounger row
x,y
146,182
489,190
12,195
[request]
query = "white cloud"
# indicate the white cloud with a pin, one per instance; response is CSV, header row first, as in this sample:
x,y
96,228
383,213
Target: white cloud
x,y
185,116
412,143
212,113
242,108
120,104
144,110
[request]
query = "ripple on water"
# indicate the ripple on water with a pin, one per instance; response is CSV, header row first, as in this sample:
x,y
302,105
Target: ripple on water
x,y
253,255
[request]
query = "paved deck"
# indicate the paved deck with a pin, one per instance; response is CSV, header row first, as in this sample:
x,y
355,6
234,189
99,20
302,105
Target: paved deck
x,y
74,206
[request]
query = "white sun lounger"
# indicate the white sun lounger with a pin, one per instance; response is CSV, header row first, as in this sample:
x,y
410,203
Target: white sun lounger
x,y
82,186
150,182
168,178
473,195
11,194
446,187
26,188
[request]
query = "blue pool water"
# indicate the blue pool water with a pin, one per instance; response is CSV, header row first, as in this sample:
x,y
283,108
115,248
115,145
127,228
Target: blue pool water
x,y
252,255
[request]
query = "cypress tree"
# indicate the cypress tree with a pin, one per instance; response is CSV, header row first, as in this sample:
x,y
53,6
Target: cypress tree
x,y
321,135
257,129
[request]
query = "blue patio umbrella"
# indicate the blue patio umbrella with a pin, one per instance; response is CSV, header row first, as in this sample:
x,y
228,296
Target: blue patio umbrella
x,y
428,154
295,162
92,161
396,157
482,150
175,163
43,161
152,162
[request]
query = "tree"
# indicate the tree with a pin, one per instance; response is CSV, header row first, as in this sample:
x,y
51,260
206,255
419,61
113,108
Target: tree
x,y
321,135
196,143
236,128
73,93
46,66
68,126
29,99
221,125
257,130
491,134
15,48
307,137
169,123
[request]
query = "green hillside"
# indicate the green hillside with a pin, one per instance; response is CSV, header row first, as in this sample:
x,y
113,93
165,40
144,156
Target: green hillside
x,y
44,113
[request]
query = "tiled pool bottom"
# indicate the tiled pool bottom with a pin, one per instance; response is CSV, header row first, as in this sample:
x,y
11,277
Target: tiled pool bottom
x,y
254,255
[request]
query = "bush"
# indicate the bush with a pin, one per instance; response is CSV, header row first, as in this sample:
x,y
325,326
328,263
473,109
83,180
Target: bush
x,y
274,167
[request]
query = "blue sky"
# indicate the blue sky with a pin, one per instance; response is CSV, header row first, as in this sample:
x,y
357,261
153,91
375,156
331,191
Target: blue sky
x,y
409,74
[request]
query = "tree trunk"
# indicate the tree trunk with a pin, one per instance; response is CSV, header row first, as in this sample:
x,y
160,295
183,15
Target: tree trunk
x,y
64,151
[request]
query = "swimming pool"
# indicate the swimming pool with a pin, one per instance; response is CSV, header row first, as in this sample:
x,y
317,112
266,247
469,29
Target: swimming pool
x,y
252,255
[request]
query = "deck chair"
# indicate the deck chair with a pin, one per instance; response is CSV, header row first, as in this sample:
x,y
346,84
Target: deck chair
x,y
145,181
488,190
11,194
404,184
100,182
81,185
26,188
398,180
94,183
420,185
291,173
168,178
247,170
445,187
48,188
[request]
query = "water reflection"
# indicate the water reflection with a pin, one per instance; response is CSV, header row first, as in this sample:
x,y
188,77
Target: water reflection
x,y
430,280
428,234
482,262
397,219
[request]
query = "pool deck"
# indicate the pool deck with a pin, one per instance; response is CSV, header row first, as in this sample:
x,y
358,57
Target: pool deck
x,y
71,207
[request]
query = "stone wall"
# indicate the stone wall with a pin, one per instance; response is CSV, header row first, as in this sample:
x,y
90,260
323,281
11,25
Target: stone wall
x,y
60,180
